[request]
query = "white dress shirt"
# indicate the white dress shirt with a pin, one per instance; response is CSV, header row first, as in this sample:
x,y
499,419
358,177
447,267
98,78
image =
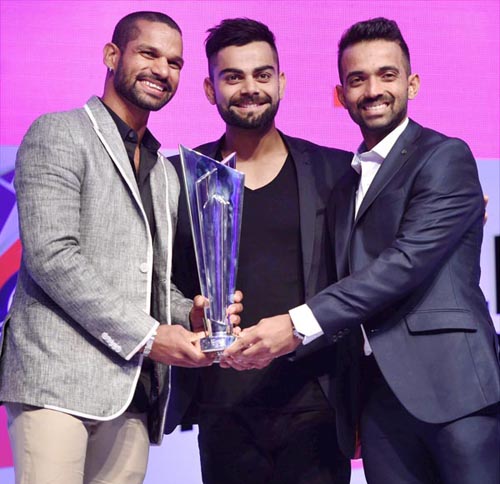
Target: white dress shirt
x,y
366,163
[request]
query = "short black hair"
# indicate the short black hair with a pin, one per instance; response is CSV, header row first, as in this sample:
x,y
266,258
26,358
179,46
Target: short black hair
x,y
126,29
378,28
239,32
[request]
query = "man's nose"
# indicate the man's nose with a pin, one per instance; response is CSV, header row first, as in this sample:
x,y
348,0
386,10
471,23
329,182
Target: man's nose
x,y
250,86
373,87
161,67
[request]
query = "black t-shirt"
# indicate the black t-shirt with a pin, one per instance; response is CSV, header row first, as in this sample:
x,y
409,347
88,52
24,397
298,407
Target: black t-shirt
x,y
270,276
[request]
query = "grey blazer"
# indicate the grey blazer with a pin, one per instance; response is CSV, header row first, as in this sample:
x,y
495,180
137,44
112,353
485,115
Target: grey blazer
x,y
89,271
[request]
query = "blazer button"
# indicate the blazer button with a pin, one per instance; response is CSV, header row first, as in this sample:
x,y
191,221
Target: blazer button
x,y
144,267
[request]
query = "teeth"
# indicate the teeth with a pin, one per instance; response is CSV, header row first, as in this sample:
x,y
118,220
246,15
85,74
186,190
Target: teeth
x,y
152,85
375,106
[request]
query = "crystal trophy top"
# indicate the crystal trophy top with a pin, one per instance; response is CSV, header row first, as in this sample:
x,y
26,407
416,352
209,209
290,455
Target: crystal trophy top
x,y
214,193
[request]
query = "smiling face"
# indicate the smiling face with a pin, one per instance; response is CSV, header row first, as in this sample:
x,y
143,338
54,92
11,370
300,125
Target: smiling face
x,y
246,85
147,70
376,87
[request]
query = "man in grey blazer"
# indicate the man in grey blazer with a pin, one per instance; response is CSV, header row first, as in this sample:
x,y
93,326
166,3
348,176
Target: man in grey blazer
x,y
95,321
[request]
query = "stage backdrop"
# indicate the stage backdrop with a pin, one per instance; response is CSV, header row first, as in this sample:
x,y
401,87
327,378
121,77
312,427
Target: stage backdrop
x,y
51,60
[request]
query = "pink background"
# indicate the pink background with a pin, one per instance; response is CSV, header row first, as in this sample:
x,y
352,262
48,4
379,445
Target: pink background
x,y
51,60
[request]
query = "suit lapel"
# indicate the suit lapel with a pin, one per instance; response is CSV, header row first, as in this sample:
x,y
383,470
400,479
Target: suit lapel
x,y
211,149
108,133
158,183
396,159
302,160
344,220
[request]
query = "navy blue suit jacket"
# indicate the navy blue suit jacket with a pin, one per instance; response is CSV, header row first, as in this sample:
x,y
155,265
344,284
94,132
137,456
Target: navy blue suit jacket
x,y
408,269
318,170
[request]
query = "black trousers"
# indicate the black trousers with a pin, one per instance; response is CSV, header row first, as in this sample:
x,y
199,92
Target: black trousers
x,y
262,446
397,448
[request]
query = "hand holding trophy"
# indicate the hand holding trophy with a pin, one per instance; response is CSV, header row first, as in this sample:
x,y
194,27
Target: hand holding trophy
x,y
214,193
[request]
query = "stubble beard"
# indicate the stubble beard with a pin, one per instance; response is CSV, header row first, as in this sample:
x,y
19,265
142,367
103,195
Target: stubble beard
x,y
382,127
263,120
132,94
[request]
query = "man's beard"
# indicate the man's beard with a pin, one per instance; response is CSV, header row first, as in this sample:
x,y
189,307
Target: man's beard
x,y
398,113
139,99
262,120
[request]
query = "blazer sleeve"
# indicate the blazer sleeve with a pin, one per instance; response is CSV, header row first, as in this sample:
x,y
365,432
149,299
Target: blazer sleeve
x,y
445,201
49,172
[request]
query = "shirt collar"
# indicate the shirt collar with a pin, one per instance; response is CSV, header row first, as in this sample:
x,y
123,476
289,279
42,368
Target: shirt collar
x,y
380,151
130,135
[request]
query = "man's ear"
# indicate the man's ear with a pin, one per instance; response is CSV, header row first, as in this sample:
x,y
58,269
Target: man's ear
x,y
111,56
208,87
282,84
340,94
413,85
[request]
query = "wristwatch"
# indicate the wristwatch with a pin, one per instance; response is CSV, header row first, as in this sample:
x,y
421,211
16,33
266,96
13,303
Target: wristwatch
x,y
149,345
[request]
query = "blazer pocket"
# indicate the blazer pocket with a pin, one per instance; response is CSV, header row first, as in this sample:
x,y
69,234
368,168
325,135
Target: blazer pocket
x,y
440,321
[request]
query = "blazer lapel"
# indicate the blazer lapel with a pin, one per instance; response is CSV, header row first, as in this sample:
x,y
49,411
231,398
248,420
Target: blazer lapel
x,y
344,221
211,149
396,159
307,201
158,183
108,133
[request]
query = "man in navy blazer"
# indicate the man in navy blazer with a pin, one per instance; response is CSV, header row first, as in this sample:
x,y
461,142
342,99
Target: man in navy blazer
x,y
274,425
406,225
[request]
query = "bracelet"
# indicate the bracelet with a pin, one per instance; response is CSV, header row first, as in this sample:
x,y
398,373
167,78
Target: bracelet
x,y
149,345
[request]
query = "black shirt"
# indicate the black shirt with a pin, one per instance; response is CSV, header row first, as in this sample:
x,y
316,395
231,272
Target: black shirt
x,y
148,157
270,276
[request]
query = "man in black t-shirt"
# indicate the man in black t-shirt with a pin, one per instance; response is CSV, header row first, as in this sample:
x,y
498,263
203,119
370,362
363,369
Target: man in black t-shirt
x,y
274,425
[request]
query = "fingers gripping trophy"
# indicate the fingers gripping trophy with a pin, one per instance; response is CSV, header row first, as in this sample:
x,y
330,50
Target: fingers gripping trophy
x,y
214,193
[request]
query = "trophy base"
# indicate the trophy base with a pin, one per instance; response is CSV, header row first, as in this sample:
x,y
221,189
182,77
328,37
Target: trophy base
x,y
216,344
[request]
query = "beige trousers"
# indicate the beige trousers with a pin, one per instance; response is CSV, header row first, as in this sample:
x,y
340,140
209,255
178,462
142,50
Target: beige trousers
x,y
58,448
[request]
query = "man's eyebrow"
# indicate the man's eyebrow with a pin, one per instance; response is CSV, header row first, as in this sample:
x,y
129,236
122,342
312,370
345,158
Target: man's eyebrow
x,y
354,73
388,68
264,68
230,70
380,69
145,46
234,70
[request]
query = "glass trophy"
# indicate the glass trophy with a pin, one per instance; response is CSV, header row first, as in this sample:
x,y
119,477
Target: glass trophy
x,y
214,193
